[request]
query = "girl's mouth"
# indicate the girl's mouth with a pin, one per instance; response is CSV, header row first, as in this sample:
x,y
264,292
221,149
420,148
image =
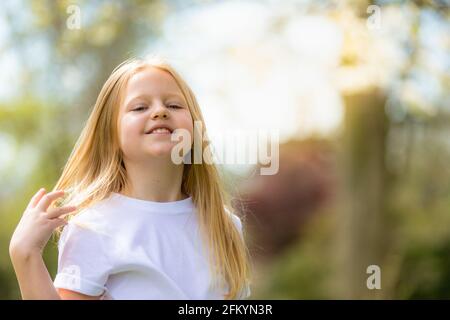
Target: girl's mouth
x,y
160,131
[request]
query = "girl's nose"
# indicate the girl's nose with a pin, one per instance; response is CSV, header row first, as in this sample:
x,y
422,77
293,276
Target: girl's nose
x,y
160,112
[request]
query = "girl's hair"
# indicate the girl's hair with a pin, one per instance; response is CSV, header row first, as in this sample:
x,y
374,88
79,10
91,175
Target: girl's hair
x,y
95,168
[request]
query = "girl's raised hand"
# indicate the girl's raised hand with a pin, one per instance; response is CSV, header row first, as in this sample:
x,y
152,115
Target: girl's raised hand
x,y
37,223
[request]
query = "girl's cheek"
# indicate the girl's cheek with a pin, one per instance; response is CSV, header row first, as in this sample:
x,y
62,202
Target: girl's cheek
x,y
132,126
187,122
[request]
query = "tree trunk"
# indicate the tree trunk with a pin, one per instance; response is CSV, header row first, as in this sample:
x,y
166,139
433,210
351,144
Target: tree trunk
x,y
363,209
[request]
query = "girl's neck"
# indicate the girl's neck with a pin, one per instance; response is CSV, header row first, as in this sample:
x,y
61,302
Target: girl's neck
x,y
157,180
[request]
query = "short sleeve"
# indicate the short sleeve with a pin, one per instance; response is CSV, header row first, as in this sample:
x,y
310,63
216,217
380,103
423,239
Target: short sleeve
x,y
82,262
238,223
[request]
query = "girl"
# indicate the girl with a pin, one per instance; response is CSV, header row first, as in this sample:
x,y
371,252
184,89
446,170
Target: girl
x,y
141,226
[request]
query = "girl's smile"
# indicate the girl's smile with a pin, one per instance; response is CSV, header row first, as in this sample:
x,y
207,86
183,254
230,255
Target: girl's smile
x,y
160,129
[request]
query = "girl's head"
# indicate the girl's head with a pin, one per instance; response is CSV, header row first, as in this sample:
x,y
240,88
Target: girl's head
x,y
151,99
138,96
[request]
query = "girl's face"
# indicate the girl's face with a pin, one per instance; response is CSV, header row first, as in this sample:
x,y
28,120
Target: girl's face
x,y
152,100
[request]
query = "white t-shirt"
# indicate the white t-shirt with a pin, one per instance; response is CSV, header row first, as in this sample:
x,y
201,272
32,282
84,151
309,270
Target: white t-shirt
x,y
127,248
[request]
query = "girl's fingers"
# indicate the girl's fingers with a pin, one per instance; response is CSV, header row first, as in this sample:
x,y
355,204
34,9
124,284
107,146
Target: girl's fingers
x,y
35,199
58,222
58,212
46,200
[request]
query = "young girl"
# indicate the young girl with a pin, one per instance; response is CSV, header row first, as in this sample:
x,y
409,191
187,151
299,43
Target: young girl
x,y
142,226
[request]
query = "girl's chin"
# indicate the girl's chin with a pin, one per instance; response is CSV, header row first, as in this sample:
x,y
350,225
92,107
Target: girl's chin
x,y
163,151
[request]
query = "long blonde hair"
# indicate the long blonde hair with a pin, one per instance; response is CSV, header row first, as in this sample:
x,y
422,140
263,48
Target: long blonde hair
x,y
95,169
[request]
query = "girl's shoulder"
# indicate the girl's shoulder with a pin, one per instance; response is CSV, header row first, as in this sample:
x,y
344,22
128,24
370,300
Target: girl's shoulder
x,y
95,218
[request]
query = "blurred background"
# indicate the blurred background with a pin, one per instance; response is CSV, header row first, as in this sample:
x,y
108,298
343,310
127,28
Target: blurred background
x,y
358,91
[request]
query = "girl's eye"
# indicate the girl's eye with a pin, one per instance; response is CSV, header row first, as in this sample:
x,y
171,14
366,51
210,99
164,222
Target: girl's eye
x,y
174,106
139,108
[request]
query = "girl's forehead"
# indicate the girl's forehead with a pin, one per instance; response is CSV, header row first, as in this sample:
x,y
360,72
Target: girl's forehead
x,y
152,80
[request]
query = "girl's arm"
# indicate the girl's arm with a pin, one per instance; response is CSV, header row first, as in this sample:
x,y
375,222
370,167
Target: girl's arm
x,y
29,240
33,277
72,295
35,281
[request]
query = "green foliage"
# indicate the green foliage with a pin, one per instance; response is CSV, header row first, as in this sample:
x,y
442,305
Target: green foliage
x,y
307,268
45,118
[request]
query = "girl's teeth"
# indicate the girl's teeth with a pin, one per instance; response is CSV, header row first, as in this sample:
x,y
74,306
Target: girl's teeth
x,y
161,130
